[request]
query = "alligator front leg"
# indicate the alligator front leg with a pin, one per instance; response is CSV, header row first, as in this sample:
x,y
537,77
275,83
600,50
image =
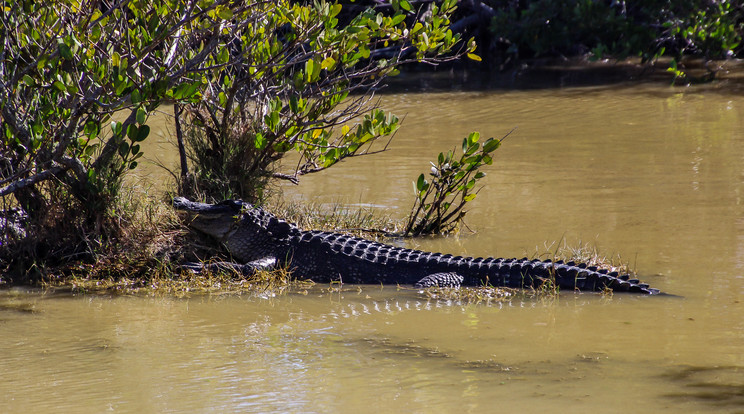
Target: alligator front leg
x,y
450,279
267,263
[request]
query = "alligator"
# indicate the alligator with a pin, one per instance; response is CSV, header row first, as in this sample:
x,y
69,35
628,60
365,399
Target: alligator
x,y
260,240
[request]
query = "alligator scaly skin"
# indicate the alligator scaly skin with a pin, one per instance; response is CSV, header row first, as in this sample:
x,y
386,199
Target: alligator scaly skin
x,y
251,234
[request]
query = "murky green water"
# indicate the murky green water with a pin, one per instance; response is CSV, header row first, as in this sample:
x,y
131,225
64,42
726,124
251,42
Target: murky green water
x,y
652,173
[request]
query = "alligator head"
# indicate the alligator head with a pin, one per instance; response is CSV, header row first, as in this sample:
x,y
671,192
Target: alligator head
x,y
248,232
216,220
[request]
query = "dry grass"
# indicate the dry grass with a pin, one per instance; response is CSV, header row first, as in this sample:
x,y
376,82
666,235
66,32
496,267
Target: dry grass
x,y
583,252
361,222
185,283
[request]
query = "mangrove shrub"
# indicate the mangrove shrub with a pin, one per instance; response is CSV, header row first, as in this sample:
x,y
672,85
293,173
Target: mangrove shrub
x,y
290,79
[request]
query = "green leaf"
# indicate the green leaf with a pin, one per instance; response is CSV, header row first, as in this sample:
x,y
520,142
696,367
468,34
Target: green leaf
x,y
473,56
406,5
132,132
328,63
136,97
473,138
259,141
469,197
491,145
64,50
224,13
309,66
143,133
123,149
116,127
28,80
141,114
421,183
60,86
275,120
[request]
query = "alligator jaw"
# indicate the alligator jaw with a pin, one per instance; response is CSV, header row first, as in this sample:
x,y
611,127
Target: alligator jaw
x,y
216,220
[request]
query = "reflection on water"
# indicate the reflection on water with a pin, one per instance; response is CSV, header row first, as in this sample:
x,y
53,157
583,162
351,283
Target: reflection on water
x,y
651,173
365,349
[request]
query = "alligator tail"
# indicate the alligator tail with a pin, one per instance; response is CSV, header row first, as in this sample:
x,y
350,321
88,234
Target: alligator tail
x,y
566,275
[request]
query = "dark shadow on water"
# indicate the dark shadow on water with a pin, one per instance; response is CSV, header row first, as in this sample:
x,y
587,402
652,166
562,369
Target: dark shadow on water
x,y
720,386
561,75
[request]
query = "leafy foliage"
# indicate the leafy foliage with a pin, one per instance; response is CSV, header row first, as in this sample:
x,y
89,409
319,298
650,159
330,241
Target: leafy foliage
x,y
67,68
78,81
439,203
289,79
